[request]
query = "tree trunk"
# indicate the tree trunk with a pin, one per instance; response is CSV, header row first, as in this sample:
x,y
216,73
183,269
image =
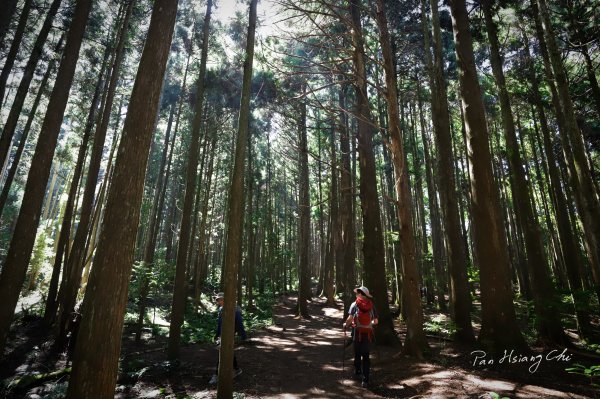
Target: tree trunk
x,y
199,275
153,222
36,53
233,249
65,230
437,241
14,48
588,204
347,227
334,227
180,289
569,248
23,140
460,299
251,234
548,321
499,327
95,364
373,248
7,12
415,342
77,257
21,245
303,214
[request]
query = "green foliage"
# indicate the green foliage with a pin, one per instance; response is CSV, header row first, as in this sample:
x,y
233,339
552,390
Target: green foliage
x,y
494,395
41,252
440,325
591,372
593,348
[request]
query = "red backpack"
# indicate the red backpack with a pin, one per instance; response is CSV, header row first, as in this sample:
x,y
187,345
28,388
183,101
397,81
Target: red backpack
x,y
363,318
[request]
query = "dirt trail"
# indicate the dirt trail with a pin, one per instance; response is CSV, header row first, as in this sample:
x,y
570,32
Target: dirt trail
x,y
298,358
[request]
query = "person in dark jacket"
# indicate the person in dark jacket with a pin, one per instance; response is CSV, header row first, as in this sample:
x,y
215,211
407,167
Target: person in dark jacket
x,y
239,329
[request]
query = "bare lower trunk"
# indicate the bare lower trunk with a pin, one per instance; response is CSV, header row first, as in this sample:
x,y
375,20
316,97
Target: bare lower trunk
x,y
19,252
98,346
373,247
499,327
233,246
180,289
544,295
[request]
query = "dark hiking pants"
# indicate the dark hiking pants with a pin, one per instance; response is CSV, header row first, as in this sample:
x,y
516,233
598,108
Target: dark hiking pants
x,y
362,363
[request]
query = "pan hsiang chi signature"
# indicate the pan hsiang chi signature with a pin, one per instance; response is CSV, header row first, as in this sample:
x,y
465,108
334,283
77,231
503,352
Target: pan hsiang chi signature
x,y
481,358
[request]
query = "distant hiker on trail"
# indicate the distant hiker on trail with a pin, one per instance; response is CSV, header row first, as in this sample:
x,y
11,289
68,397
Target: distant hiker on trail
x,y
362,316
239,328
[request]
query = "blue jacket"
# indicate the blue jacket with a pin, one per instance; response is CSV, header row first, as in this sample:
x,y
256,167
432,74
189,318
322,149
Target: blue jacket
x,y
239,323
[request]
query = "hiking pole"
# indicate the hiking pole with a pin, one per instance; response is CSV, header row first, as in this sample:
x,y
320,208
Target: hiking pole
x,y
344,352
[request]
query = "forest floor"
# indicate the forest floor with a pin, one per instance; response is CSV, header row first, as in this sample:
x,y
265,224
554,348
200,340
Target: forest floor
x,y
304,358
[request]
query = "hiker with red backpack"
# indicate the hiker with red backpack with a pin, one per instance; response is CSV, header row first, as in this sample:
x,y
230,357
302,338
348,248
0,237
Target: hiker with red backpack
x,y
362,316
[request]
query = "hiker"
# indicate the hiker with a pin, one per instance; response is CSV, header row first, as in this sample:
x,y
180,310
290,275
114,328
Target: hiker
x,y
362,316
239,328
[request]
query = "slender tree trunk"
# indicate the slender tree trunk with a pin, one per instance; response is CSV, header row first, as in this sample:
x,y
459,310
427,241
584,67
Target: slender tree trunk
x,y
14,47
499,327
456,248
373,248
19,252
415,342
569,249
233,248
591,74
588,204
17,105
23,140
334,227
179,290
437,241
7,12
65,230
153,222
347,227
251,258
199,275
548,321
77,257
99,340
303,214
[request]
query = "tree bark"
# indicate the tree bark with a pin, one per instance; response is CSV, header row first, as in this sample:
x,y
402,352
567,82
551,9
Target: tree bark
x,y
233,247
303,214
569,248
14,48
7,12
456,248
23,140
95,364
65,230
588,204
17,105
77,257
153,223
544,295
373,248
415,342
180,289
347,227
19,252
334,240
499,327
437,241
